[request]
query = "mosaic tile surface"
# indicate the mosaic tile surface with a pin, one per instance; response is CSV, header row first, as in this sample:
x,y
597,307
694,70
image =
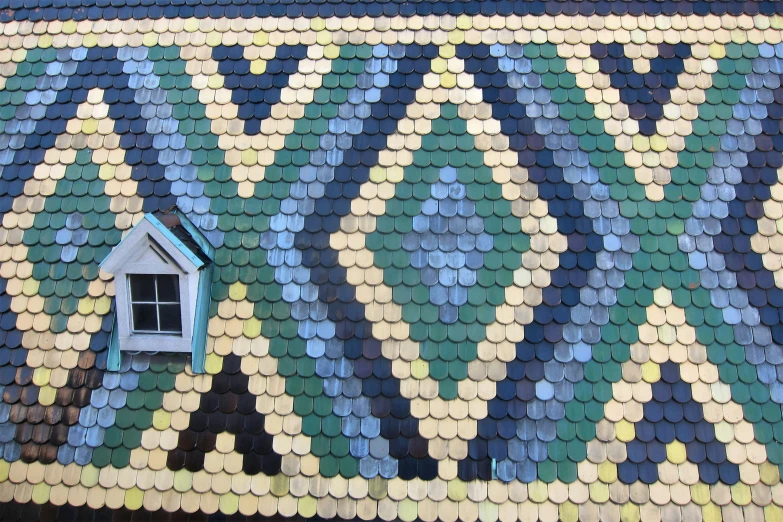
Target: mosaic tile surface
x,y
36,10
470,263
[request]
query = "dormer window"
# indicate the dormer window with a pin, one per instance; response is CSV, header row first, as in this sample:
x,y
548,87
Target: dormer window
x,y
155,303
163,274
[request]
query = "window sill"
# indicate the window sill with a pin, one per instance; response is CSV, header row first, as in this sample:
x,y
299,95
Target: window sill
x,y
156,343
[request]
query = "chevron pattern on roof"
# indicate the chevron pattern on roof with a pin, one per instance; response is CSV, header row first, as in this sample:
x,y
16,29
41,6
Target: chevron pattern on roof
x,y
468,266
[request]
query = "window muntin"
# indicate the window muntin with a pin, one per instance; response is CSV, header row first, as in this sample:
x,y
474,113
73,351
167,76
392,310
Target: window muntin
x,y
155,303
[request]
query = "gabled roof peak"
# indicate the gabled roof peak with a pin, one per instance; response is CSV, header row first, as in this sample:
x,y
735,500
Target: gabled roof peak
x,y
173,232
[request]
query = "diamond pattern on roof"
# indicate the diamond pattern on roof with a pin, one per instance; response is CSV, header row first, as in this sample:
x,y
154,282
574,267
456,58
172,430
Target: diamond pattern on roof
x,y
467,265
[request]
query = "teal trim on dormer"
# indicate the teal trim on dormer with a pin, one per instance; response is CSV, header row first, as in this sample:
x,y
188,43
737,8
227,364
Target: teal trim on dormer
x,y
203,297
192,257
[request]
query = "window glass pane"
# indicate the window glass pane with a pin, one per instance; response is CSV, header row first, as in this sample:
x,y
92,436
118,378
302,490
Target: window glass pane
x,y
145,317
170,319
142,287
168,289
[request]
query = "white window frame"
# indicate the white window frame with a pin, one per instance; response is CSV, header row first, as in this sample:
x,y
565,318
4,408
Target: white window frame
x,y
156,303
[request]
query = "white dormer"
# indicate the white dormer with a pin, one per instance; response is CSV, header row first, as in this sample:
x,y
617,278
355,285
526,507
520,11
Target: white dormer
x,y
162,276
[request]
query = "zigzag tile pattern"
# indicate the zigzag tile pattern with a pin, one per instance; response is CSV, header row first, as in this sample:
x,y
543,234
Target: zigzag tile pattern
x,y
474,260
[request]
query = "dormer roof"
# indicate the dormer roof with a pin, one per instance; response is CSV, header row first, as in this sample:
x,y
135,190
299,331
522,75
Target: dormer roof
x,y
170,234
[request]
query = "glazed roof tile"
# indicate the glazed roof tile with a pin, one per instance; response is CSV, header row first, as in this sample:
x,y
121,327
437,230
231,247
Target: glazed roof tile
x,y
470,260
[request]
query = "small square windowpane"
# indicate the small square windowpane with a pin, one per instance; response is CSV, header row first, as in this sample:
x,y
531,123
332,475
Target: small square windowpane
x,y
155,303
142,288
168,289
145,317
170,319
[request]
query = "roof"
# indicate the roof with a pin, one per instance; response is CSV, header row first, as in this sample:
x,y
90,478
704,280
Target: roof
x,y
36,10
468,266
